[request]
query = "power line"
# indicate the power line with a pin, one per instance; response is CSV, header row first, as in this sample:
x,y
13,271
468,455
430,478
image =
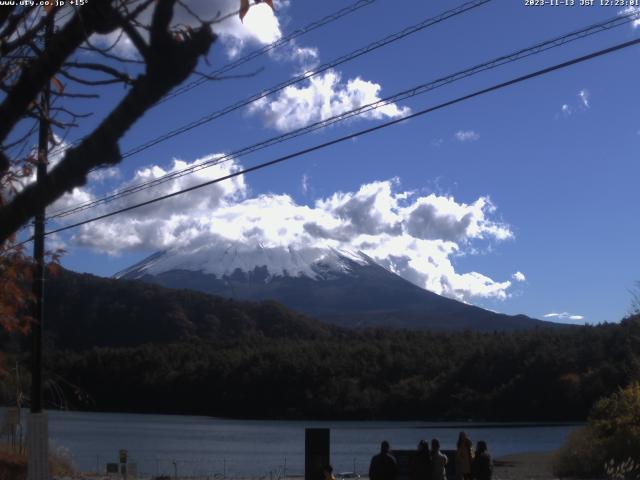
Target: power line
x,y
308,74
255,53
321,146
405,94
267,48
357,53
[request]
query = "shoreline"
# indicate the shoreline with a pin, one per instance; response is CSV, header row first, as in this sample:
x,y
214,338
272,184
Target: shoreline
x,y
417,423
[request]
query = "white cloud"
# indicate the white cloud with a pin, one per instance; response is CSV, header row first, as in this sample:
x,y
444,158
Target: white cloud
x,y
564,316
166,223
323,96
411,235
104,174
584,98
117,42
440,217
261,23
260,26
519,277
467,136
307,58
636,10
583,104
305,183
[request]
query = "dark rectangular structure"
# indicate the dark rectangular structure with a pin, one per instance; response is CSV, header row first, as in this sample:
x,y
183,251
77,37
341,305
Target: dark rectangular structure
x,y
451,463
316,452
404,460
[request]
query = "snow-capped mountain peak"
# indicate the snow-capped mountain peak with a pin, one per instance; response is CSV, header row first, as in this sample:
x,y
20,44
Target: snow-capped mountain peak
x,y
226,260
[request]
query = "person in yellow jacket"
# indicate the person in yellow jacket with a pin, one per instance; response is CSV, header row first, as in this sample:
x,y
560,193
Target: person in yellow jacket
x,y
464,457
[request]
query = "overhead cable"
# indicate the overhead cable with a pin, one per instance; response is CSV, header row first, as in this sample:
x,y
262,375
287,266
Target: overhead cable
x,y
403,95
360,133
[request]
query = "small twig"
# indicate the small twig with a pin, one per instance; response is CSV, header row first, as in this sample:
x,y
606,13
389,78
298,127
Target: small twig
x,y
135,37
70,113
26,37
99,67
13,22
30,132
75,95
195,15
93,83
114,43
138,10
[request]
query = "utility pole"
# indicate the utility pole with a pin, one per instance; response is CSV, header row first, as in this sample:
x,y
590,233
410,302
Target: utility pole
x,y
37,426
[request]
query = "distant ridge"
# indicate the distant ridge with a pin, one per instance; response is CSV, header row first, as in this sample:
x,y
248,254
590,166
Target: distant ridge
x,y
84,311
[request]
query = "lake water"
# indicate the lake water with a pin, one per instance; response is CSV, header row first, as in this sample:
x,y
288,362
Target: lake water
x,y
209,446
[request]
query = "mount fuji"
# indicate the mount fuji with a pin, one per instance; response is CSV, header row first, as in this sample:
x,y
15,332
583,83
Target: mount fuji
x,y
345,288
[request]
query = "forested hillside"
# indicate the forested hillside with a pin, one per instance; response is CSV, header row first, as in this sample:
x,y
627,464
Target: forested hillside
x,y
537,375
84,311
136,347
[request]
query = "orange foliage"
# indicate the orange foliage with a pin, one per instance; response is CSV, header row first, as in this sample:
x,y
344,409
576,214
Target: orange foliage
x,y
13,466
16,274
16,268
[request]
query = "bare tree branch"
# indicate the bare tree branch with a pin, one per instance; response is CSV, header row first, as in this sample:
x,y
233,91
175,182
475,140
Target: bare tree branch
x,y
76,95
23,138
98,17
26,37
135,37
136,11
194,14
70,113
13,21
99,67
83,81
170,63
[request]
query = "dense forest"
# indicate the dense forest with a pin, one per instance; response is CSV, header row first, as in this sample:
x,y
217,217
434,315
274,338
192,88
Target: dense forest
x,y
184,352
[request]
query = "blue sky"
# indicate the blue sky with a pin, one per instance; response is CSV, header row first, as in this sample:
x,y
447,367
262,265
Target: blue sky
x,y
524,199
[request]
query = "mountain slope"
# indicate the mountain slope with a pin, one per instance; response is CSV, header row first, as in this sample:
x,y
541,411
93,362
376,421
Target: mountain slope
x,y
343,288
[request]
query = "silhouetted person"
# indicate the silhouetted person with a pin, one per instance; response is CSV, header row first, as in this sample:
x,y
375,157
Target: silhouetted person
x,y
420,468
438,461
482,467
463,457
383,465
